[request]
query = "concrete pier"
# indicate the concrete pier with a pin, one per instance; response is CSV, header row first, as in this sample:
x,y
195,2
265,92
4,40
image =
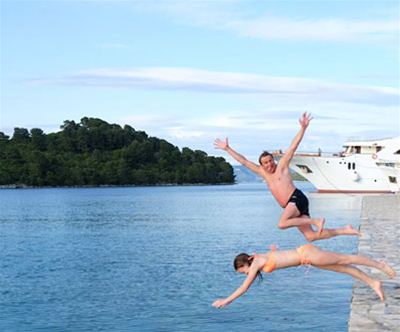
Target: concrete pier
x,y
380,226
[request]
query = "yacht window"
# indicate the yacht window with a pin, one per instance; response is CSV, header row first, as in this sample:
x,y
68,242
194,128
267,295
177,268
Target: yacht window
x,y
378,148
386,164
358,149
392,179
304,168
397,152
354,165
348,166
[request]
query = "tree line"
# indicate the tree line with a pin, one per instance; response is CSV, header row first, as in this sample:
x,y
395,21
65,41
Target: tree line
x,y
94,152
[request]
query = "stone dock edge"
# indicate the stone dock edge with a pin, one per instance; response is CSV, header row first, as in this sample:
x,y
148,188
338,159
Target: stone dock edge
x,y
380,240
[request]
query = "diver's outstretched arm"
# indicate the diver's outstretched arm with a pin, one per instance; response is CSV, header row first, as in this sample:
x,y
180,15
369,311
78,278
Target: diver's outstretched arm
x,y
224,145
240,291
289,153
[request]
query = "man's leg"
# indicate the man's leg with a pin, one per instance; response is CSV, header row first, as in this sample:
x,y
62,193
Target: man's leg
x,y
291,218
326,233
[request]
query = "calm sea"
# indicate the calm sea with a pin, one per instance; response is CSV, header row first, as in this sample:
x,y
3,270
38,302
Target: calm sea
x,y
155,258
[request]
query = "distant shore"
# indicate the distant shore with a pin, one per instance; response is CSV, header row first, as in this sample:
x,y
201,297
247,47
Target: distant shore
x,y
295,177
23,186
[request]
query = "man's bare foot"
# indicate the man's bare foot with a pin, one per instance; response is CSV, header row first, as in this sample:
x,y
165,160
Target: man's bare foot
x,y
320,225
377,287
388,270
351,231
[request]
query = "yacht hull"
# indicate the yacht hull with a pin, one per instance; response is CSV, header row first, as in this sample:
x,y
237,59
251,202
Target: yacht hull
x,y
337,174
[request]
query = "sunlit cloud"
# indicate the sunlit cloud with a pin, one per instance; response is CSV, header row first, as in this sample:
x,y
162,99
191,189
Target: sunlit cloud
x,y
196,80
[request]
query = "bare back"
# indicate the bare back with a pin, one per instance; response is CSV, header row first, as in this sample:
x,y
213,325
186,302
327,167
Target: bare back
x,y
287,258
283,258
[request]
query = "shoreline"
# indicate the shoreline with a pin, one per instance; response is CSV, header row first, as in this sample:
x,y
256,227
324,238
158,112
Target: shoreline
x,y
380,226
22,186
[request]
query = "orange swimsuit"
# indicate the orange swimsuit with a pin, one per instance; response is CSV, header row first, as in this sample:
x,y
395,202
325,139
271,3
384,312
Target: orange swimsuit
x,y
300,251
270,265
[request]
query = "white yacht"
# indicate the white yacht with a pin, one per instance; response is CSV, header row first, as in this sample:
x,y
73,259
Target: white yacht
x,y
388,160
363,166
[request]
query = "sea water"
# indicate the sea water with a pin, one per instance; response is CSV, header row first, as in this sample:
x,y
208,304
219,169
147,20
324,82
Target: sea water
x,y
155,258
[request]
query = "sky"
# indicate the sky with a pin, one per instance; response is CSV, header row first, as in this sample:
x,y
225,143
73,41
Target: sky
x,y
192,71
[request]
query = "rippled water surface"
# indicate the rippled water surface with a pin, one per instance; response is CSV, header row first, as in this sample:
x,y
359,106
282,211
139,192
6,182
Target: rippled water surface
x,y
155,258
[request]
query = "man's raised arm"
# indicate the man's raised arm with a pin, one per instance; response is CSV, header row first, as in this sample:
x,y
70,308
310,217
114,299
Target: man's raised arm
x,y
224,145
288,155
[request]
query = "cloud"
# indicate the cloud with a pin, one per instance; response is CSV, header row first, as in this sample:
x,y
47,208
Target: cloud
x,y
197,80
232,17
184,133
140,121
113,45
251,132
337,30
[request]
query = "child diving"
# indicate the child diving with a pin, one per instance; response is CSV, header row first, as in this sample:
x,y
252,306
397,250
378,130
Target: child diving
x,y
307,254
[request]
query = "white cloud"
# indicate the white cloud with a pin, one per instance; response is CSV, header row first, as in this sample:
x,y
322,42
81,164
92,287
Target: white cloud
x,y
230,16
274,87
113,45
251,132
183,133
338,30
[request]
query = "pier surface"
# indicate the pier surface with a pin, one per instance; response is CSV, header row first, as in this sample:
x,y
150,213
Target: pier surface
x,y
380,226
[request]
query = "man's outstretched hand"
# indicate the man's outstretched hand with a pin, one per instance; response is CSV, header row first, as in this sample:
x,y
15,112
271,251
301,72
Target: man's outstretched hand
x,y
305,120
223,145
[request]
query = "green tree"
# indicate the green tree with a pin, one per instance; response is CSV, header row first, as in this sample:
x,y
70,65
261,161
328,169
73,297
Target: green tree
x,y
21,135
3,137
38,139
94,152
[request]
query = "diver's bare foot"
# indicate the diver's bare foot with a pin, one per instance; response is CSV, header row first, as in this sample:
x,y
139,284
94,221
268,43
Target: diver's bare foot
x,y
377,287
388,270
320,225
351,231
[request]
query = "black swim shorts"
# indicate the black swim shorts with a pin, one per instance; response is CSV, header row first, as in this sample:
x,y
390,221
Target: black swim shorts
x,y
301,201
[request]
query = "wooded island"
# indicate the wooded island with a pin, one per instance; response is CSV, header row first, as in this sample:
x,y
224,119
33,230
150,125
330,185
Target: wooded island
x,y
94,152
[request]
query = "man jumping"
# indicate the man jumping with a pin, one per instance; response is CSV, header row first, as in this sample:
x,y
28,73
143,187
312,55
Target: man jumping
x,y
280,183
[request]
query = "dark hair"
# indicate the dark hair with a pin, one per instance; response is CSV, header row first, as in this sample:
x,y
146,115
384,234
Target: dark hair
x,y
264,154
244,259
